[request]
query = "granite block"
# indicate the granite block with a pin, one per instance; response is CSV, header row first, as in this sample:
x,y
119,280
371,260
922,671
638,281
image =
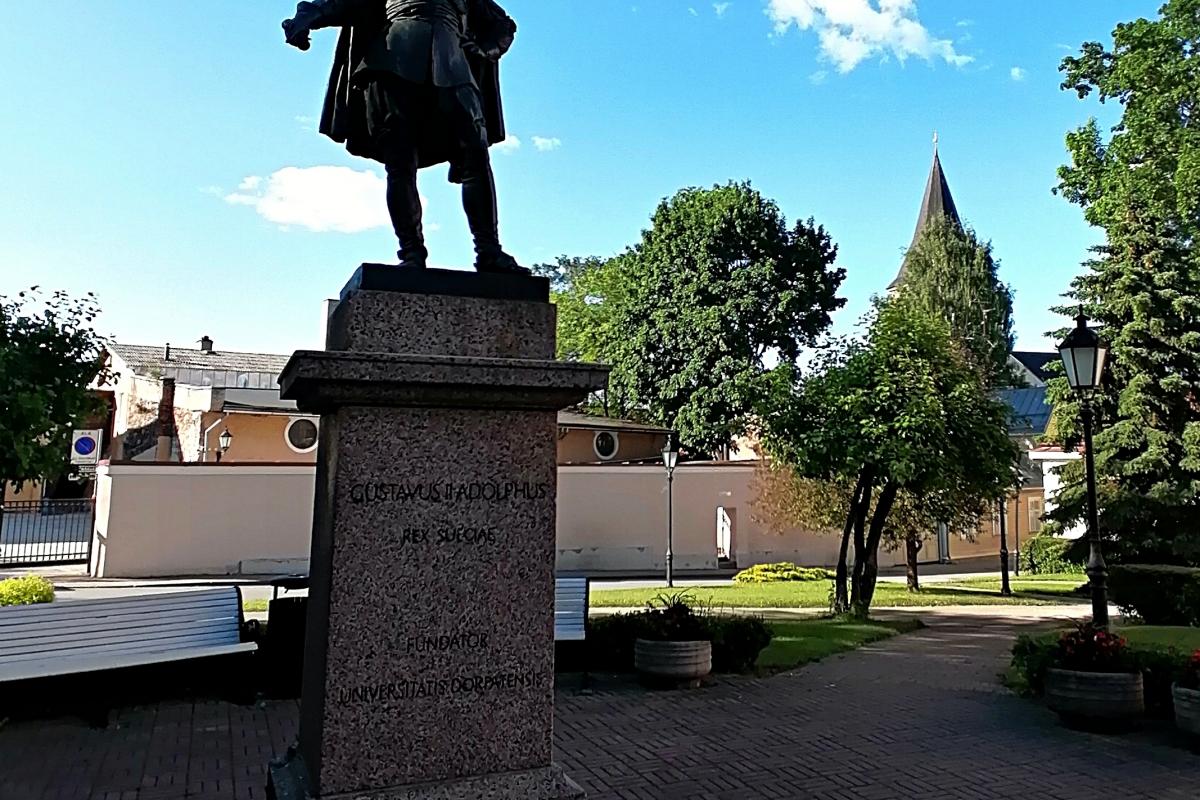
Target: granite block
x,y
381,322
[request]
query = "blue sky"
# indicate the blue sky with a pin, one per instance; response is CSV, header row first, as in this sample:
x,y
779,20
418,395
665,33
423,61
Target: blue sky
x,y
169,161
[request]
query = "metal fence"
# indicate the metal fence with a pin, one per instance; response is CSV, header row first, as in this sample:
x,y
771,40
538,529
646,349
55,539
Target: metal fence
x,y
44,532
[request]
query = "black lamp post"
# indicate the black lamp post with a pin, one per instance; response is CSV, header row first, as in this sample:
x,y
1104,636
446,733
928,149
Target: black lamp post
x,y
1005,586
670,454
223,443
1084,354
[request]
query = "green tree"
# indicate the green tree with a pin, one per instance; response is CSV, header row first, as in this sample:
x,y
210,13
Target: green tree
x,y
694,317
951,273
1140,184
903,412
49,355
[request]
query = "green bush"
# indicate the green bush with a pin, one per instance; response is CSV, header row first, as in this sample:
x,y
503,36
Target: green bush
x,y
736,640
1043,555
26,591
1158,595
781,571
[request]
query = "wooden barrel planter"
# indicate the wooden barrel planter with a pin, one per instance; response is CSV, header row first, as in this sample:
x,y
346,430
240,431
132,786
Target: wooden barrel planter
x,y
1187,711
1096,700
672,663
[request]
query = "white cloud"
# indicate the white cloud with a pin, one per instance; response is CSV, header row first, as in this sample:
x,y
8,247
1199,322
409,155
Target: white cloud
x,y
1017,74
851,31
547,143
693,12
510,145
318,199
818,77
721,8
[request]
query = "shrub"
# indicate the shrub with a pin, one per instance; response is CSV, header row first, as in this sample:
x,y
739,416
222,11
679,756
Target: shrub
x,y
781,571
1159,595
1042,555
736,640
26,591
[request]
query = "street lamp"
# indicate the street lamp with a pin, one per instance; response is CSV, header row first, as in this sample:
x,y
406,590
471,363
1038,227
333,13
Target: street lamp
x,y
223,443
670,454
1083,355
1005,586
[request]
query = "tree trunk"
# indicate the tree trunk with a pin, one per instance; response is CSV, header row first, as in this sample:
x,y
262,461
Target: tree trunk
x,y
841,601
870,570
860,547
912,548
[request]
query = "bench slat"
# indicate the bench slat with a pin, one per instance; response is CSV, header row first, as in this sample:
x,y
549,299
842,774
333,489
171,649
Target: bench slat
x,y
204,639
77,609
104,639
102,661
82,627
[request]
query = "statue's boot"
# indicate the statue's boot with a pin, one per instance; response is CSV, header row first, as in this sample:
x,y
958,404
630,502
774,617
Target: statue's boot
x,y
479,202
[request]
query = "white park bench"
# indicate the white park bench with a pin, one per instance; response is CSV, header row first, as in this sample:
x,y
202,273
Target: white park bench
x,y
570,609
71,636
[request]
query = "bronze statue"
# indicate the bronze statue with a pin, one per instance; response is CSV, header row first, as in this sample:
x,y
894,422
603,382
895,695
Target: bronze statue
x,y
416,83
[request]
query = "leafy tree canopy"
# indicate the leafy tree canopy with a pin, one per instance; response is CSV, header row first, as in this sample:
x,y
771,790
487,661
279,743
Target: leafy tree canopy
x,y
902,411
49,355
693,318
1140,183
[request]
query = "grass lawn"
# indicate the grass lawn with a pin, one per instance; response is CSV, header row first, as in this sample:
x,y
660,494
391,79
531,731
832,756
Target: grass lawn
x,y
804,641
814,594
1147,637
1061,584
255,605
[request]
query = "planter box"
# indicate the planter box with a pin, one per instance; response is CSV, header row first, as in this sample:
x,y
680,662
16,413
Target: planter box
x,y
1187,710
1096,699
673,662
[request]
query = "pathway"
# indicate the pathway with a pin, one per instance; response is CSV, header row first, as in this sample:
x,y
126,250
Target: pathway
x,y
918,716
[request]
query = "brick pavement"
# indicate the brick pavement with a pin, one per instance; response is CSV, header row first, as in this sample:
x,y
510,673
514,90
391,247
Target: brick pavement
x,y
918,716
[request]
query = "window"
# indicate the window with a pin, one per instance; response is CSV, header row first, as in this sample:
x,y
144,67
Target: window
x,y
606,444
1036,510
301,435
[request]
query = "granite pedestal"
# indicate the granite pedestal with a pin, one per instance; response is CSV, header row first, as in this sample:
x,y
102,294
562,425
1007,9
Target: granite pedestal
x,y
429,668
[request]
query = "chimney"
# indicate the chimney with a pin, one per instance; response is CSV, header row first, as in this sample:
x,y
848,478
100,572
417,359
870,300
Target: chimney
x,y
167,355
206,344
166,420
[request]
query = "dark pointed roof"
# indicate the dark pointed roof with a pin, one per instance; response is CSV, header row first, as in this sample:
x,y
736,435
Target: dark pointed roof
x,y
937,203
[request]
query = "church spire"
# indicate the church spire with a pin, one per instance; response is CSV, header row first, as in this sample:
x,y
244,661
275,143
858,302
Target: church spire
x,y
937,203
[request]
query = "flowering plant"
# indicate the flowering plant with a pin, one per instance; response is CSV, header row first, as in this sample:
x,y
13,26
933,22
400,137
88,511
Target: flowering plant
x,y
1090,649
1190,677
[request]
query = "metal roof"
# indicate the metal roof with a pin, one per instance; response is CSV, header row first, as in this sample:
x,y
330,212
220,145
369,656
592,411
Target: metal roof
x,y
1036,363
1030,410
573,419
203,368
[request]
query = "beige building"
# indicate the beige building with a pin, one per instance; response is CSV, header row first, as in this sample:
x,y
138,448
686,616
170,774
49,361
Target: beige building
x,y
217,392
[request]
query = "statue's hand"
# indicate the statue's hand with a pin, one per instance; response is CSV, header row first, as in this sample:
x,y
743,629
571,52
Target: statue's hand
x,y
296,29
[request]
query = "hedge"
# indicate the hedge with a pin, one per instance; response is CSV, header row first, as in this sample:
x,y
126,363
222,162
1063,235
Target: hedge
x,y
1043,555
26,591
1157,594
781,571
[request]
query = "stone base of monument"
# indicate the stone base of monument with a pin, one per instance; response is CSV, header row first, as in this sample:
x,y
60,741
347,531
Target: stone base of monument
x,y
429,646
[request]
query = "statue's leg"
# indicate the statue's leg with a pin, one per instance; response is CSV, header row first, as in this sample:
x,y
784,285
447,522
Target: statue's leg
x,y
387,102
479,185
